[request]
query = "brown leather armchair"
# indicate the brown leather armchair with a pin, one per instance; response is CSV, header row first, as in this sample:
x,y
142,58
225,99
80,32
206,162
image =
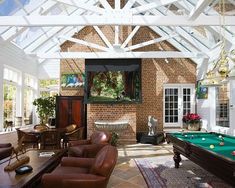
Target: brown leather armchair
x,y
5,150
90,147
83,172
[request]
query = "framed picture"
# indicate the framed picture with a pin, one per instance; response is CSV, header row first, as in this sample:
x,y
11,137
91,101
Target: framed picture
x,y
71,81
202,91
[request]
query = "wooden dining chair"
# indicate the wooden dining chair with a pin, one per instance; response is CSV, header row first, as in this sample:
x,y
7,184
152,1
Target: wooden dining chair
x,y
28,139
50,139
72,135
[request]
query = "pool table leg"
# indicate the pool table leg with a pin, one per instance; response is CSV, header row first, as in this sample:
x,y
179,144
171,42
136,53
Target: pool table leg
x,y
177,159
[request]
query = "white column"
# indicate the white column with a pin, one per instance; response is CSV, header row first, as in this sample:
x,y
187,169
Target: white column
x,y
1,97
21,102
212,108
36,94
232,108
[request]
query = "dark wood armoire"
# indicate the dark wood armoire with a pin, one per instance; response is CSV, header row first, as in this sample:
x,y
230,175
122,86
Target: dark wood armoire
x,y
70,110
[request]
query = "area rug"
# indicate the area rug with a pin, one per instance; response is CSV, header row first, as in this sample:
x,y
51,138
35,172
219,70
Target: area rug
x,y
160,172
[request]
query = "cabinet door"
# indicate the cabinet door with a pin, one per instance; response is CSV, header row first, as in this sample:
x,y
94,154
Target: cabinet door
x,y
69,110
76,112
62,117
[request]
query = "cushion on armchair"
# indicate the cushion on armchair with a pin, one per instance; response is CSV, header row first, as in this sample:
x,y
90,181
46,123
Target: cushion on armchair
x,y
5,150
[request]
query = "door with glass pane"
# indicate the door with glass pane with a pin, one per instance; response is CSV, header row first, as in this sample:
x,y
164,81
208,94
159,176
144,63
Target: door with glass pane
x,y
178,101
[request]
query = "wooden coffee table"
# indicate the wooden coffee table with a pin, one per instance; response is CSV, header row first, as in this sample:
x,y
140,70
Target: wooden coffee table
x,y
40,166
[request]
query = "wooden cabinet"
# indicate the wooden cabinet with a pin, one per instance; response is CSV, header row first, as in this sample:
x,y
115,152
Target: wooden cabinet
x,y
70,110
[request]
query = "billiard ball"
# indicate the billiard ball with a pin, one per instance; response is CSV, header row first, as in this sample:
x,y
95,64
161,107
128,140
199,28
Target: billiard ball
x,y
203,139
186,135
220,136
212,146
233,153
221,143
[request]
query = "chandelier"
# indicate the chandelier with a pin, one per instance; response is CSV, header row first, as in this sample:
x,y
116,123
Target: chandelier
x,y
222,70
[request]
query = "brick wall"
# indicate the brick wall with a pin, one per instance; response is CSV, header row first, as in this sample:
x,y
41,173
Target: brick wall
x,y
155,73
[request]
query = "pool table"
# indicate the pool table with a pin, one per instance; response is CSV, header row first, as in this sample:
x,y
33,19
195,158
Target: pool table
x,y
206,150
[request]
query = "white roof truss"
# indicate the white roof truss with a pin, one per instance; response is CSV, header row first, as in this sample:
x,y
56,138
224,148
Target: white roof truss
x,y
159,15
119,18
95,55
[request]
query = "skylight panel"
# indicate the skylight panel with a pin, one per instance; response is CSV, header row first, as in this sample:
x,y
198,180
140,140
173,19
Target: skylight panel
x,y
9,7
28,36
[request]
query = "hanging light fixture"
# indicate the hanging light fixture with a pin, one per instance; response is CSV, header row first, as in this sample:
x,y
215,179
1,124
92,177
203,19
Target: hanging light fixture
x,y
220,72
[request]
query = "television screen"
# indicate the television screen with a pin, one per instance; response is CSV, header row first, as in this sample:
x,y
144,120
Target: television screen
x,y
113,81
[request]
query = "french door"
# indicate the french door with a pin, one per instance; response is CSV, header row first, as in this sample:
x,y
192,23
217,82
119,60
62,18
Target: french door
x,y
178,100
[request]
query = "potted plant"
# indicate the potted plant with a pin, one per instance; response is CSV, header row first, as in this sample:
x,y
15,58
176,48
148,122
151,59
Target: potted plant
x,y
192,121
114,138
45,107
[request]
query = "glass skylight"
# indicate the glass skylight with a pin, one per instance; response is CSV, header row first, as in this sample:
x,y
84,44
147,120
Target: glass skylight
x,y
9,7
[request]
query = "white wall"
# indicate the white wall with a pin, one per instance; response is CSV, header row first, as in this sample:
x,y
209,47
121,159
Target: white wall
x,y
207,110
14,57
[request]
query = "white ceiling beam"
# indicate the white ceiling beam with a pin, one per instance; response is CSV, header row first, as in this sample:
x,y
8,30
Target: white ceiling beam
x,y
21,6
82,42
147,43
116,35
129,4
199,8
31,7
42,39
103,37
105,4
212,28
192,35
117,4
97,55
83,6
130,36
111,19
149,6
13,32
193,40
177,42
55,31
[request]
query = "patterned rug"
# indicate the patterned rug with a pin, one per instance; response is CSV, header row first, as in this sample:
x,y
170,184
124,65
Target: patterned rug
x,y
160,172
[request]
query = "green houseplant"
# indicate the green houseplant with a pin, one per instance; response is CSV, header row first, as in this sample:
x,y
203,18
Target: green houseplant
x,y
45,107
114,139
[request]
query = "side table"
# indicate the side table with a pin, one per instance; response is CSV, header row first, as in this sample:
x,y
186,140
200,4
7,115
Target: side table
x,y
155,139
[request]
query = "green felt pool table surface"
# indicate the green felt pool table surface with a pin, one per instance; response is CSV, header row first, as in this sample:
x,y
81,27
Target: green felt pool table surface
x,y
205,140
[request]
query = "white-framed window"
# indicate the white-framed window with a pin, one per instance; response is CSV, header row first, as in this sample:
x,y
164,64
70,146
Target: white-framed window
x,y
49,87
222,105
30,85
11,93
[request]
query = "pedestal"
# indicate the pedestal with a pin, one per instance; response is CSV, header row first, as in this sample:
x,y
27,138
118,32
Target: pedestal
x,y
155,139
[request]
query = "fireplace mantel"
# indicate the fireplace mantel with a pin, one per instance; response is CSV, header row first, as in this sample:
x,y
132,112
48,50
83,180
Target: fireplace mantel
x,y
111,125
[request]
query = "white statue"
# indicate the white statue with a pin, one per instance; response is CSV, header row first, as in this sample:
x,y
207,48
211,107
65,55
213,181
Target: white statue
x,y
152,124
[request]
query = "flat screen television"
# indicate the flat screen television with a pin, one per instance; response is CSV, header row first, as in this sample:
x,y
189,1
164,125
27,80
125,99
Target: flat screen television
x,y
113,81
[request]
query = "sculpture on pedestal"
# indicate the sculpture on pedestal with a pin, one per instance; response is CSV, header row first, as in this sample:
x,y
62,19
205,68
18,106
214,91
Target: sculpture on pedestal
x,y
152,124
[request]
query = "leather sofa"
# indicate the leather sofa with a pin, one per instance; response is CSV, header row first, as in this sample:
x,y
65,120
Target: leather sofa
x,y
83,172
5,150
90,147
